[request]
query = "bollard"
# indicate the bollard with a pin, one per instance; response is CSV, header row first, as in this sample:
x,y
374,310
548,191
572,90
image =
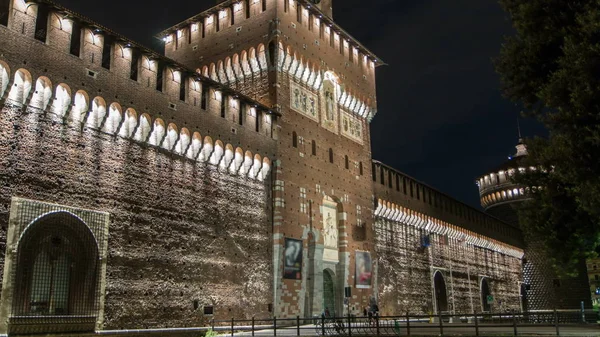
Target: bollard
x,y
441,324
274,326
407,324
231,326
252,325
476,326
514,325
556,322
297,325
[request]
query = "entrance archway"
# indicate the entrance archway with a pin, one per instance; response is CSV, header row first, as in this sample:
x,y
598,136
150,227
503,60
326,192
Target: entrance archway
x,y
57,268
485,292
441,298
329,291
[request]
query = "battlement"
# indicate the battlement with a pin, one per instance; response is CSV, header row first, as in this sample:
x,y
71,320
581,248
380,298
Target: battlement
x,y
399,188
112,84
497,187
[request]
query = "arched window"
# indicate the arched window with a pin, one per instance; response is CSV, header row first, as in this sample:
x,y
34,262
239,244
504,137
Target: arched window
x,y
314,148
294,139
360,168
330,155
346,162
57,268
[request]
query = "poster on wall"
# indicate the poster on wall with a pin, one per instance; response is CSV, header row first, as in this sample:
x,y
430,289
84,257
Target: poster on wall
x,y
363,270
292,259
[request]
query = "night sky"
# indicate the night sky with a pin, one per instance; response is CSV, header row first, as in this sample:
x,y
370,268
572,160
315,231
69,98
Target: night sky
x,y
441,117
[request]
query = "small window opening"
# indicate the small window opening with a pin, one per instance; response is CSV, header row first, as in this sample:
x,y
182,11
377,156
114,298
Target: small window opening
x,y
182,87
314,148
294,139
160,70
360,168
107,52
204,97
135,63
223,105
41,22
330,155
75,47
346,162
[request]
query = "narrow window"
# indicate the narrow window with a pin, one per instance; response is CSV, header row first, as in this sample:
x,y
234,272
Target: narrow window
x,y
298,13
4,10
232,15
411,189
107,52
330,155
397,182
159,75
264,5
218,20
247,9
294,139
241,112
331,38
381,176
41,22
189,34
203,28
374,171
75,48
223,105
310,22
360,168
314,148
321,30
390,179
346,162
182,87
404,185
418,192
257,124
135,64
286,5
204,97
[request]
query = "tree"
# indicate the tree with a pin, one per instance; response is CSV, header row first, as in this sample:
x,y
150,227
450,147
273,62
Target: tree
x,y
552,67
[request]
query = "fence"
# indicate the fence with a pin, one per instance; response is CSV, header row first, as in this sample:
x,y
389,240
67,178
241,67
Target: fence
x,y
549,322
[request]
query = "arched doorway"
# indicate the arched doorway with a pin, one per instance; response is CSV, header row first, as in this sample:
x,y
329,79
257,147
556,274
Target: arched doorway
x,y
441,298
57,268
329,291
485,292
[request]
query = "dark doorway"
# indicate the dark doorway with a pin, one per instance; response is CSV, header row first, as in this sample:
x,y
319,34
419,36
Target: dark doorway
x,y
441,298
328,292
524,300
485,292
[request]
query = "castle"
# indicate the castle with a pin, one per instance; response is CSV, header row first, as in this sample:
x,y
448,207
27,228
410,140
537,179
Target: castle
x,y
230,177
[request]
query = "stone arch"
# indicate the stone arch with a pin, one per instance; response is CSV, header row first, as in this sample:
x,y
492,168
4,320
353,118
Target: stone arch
x,y
256,165
61,248
113,118
253,60
130,121
80,106
262,57
248,160
237,67
195,146
42,93
21,87
221,72
227,157
484,287
183,142
245,64
158,132
205,71
238,159
171,137
229,69
265,169
440,295
62,99
143,129
217,153
213,72
4,77
98,112
207,149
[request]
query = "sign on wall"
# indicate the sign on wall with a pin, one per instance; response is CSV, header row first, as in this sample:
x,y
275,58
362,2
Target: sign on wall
x,y
292,259
352,127
304,101
363,269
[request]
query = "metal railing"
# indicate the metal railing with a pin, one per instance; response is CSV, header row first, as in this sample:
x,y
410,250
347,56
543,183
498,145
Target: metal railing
x,y
548,321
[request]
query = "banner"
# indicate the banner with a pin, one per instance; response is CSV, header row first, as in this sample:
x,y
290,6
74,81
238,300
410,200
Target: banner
x,y
292,259
363,270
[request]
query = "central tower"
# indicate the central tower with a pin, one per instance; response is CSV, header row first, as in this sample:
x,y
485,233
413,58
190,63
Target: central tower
x,y
291,55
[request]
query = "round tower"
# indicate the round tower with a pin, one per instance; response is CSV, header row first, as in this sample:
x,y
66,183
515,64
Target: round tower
x,y
498,193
